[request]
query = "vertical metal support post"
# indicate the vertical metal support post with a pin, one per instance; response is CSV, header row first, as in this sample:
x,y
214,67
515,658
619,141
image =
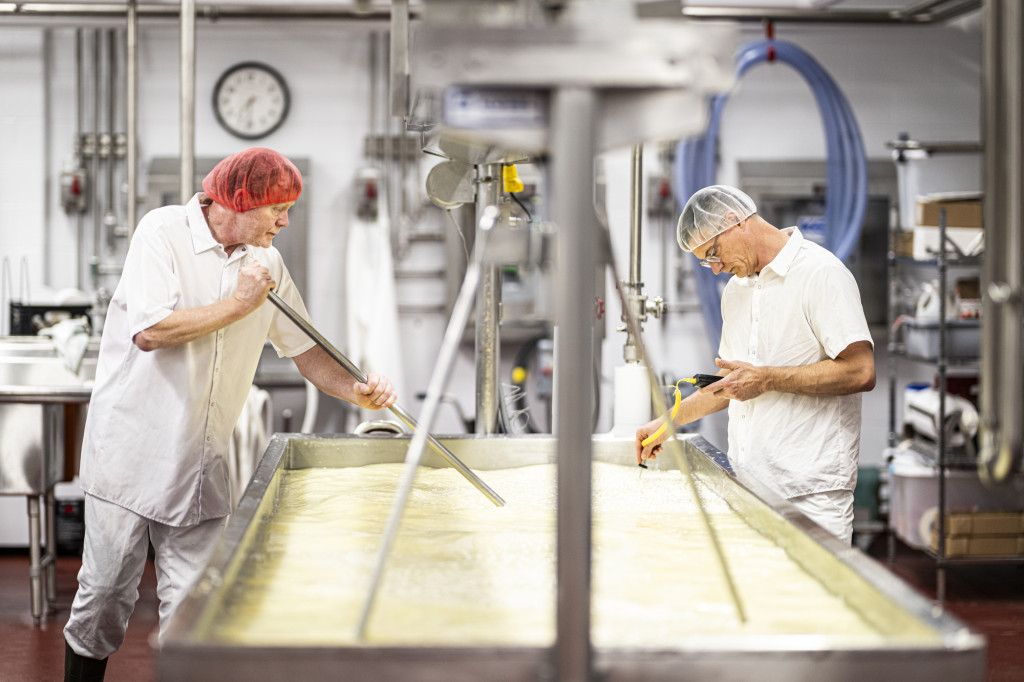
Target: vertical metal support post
x,y
51,550
35,570
574,111
79,148
110,212
95,203
399,58
399,98
488,315
943,441
47,231
53,417
891,439
636,214
1002,372
131,107
634,287
42,565
187,98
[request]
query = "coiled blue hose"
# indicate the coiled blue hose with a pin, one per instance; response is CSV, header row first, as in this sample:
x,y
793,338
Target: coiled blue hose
x,y
846,164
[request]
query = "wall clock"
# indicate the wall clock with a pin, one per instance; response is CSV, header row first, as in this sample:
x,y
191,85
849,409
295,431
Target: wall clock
x,y
251,100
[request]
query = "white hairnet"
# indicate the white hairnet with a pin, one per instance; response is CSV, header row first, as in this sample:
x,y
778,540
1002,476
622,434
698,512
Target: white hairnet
x,y
710,212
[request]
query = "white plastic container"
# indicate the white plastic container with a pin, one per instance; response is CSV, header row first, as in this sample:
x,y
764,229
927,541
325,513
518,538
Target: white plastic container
x,y
914,497
963,338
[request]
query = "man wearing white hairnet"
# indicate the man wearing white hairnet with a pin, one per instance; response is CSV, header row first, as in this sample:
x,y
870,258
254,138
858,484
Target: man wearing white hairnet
x,y
795,354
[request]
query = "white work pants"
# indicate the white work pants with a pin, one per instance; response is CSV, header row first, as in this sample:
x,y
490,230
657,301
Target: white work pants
x,y
832,510
116,546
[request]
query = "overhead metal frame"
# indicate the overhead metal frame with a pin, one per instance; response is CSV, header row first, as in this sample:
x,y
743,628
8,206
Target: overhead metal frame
x,y
914,12
921,12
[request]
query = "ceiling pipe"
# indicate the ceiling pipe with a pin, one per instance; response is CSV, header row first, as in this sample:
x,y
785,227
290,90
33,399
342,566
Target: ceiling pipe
x,y
117,12
926,12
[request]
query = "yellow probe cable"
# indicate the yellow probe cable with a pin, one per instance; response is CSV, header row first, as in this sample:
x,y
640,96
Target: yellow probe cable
x,y
675,410
698,380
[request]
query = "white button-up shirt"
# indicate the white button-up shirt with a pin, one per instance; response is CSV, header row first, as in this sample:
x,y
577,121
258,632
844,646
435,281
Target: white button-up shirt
x,y
159,423
802,308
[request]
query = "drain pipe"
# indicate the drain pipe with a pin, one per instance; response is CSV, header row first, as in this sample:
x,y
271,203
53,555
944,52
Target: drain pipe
x,y
109,146
1002,373
131,105
187,111
96,208
79,144
634,287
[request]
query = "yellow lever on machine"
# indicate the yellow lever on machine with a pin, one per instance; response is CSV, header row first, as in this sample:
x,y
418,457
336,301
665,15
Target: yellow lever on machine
x,y
510,179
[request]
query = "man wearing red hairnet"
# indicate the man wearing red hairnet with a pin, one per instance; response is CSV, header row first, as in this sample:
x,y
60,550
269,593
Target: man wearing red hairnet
x,y
182,339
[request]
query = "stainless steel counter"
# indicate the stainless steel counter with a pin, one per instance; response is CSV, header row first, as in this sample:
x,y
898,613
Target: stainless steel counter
x,y
36,387
916,641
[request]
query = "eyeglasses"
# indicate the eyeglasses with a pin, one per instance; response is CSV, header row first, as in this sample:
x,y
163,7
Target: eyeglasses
x,y
711,258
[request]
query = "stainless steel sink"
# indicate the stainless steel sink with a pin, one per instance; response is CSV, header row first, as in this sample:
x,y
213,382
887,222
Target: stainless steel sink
x,y
34,362
42,417
36,387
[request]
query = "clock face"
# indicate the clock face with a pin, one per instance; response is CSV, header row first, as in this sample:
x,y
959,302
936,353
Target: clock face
x,y
251,100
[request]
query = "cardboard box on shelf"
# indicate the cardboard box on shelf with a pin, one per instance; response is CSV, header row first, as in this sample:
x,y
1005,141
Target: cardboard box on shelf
x,y
981,545
922,242
963,209
985,523
982,534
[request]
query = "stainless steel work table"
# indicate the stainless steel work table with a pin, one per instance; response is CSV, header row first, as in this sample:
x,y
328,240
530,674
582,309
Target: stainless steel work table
x,y
35,390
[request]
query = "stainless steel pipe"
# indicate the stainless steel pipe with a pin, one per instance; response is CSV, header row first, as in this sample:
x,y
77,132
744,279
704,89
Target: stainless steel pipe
x,y
1002,408
186,104
488,313
131,108
575,112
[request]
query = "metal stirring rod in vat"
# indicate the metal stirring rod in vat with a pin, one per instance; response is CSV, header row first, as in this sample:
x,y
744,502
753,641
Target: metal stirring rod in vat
x,y
404,416
446,356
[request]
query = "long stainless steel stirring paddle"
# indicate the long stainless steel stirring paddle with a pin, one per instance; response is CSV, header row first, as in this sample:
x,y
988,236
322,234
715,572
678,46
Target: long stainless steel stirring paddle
x,y
404,416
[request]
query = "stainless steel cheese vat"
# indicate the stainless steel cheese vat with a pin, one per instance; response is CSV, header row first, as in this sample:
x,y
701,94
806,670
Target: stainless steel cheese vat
x,y
918,641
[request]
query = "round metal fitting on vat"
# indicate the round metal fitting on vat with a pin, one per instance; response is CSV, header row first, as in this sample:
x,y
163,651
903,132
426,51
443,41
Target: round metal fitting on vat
x,y
379,427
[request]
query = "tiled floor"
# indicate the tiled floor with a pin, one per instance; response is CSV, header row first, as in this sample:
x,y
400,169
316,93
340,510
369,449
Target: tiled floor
x,y
989,598
30,653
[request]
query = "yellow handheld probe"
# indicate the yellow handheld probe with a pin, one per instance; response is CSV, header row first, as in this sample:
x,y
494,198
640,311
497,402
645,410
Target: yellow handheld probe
x,y
698,380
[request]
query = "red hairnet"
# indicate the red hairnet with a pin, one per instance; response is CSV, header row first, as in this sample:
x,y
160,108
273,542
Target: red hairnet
x,y
252,178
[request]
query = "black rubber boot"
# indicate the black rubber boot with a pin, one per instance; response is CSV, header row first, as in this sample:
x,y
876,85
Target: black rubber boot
x,y
82,669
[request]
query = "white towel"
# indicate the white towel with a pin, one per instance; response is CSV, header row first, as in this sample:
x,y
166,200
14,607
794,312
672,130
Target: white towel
x,y
921,410
70,338
372,309
249,440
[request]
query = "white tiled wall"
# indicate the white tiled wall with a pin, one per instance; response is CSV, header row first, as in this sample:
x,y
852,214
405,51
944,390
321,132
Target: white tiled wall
x,y
22,150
